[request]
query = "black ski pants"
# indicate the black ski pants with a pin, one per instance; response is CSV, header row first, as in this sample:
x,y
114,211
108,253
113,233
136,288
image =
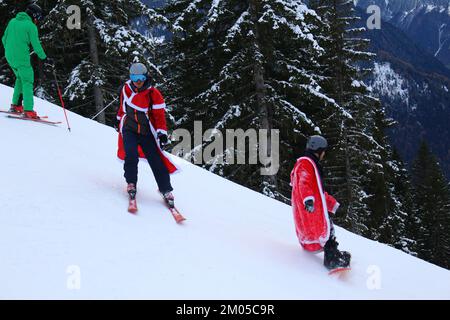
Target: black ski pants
x,y
131,141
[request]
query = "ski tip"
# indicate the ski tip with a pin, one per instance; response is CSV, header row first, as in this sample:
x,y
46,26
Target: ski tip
x,y
338,271
132,209
180,220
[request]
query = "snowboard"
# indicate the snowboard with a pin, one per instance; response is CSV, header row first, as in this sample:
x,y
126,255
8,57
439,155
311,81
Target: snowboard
x,y
339,271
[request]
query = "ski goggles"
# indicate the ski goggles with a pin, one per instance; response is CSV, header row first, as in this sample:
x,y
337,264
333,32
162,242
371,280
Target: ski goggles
x,y
138,77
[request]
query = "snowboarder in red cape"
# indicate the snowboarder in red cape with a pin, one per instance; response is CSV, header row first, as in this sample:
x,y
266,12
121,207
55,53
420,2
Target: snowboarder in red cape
x,y
143,132
312,206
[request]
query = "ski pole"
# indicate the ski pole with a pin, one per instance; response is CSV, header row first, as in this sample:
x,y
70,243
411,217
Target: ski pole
x,y
61,99
104,109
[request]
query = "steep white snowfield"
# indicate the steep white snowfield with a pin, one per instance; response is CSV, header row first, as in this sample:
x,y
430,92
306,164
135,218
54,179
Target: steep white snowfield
x,y
65,232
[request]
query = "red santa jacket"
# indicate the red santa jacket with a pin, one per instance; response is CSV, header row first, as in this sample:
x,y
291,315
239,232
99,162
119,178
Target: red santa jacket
x,y
312,228
143,111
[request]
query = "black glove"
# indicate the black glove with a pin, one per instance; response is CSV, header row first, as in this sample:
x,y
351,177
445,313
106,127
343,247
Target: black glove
x,y
162,138
116,125
49,62
309,205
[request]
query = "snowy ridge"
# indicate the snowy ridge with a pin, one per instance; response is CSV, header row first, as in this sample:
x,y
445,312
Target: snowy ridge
x,y
388,83
63,208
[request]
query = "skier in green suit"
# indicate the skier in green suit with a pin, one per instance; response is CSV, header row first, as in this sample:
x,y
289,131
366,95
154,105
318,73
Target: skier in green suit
x,y
20,34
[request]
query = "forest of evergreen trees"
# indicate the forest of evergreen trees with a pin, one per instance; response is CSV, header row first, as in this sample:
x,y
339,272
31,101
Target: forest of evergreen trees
x,y
260,64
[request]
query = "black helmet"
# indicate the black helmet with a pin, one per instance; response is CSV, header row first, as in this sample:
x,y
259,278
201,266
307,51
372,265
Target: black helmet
x,y
317,144
35,12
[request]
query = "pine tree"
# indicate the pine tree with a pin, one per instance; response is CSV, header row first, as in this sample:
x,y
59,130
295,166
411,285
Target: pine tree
x,y
400,227
391,204
382,201
248,64
432,196
356,163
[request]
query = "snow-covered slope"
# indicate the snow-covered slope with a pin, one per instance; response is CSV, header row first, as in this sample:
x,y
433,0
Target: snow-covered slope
x,y
63,223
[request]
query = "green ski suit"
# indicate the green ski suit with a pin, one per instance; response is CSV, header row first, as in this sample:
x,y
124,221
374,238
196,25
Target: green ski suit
x,y
20,33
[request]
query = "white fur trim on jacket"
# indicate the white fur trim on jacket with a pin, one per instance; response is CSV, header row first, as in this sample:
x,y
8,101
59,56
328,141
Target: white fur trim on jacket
x,y
309,198
159,106
336,206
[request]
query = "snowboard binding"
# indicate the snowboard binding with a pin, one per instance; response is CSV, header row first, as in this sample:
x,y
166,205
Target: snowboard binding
x,y
333,258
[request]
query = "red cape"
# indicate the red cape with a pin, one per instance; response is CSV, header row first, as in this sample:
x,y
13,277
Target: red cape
x,y
312,228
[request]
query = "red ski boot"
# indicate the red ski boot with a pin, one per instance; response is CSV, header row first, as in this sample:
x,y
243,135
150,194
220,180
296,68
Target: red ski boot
x,y
31,115
169,199
132,206
16,109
